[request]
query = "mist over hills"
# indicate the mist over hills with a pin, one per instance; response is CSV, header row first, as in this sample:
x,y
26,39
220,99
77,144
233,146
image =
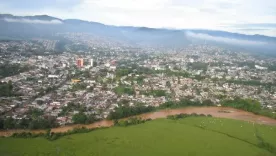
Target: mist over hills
x,y
25,27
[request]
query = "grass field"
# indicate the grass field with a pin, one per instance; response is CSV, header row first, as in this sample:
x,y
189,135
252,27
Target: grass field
x,y
193,136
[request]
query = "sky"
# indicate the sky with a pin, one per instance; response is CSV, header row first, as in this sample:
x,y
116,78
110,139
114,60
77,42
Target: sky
x,y
243,16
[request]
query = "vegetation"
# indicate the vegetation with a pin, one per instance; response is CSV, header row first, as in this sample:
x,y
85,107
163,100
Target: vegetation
x,y
181,116
123,72
244,104
6,89
130,121
175,73
35,120
72,107
120,90
78,86
251,83
61,44
155,93
51,135
126,111
81,118
184,103
198,66
249,105
143,70
35,123
272,67
7,69
249,64
201,136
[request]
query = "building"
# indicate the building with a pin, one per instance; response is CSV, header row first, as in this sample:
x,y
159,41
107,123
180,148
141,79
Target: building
x,y
75,80
260,67
53,76
91,62
80,62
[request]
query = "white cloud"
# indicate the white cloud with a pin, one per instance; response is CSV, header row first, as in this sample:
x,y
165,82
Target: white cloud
x,y
24,20
175,13
223,39
205,14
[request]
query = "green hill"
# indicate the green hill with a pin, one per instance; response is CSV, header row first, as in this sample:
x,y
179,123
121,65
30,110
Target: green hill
x,y
193,136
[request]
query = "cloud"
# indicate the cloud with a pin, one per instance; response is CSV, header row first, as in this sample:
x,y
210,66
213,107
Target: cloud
x,y
24,20
268,29
254,25
208,37
203,14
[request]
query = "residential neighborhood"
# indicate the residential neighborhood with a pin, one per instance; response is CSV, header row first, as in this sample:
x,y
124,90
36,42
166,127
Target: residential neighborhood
x,y
95,76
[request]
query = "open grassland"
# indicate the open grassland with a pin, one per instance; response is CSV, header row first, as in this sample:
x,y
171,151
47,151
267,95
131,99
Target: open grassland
x,y
192,136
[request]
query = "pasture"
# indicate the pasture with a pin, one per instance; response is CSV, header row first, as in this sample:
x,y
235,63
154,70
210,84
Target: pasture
x,y
192,136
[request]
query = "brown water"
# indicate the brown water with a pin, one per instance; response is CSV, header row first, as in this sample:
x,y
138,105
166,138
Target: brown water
x,y
214,111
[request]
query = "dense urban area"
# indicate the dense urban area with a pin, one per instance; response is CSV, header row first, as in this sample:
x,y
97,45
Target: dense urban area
x,y
84,78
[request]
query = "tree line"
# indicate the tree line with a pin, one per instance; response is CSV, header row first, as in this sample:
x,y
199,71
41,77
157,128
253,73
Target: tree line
x,y
6,89
120,90
184,103
181,116
155,93
38,123
127,111
7,69
81,118
34,120
249,105
130,121
51,136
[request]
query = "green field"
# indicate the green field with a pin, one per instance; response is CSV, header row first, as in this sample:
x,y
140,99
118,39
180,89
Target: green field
x,y
193,136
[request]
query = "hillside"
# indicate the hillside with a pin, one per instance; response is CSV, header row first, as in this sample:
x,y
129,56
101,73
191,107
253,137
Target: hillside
x,y
44,26
194,136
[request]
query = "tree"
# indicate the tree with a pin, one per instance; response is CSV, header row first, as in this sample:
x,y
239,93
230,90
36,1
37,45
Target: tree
x,y
35,113
116,122
1,123
168,84
39,102
9,123
6,89
79,118
23,123
124,90
90,119
74,95
126,111
95,64
207,102
245,104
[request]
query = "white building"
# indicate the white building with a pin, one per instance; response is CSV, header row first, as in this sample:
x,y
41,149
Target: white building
x,y
260,67
53,76
91,62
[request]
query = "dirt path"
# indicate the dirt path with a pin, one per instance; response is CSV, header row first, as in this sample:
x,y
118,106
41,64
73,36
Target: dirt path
x,y
222,112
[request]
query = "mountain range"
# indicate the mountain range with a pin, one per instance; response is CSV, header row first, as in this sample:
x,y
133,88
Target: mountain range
x,y
24,27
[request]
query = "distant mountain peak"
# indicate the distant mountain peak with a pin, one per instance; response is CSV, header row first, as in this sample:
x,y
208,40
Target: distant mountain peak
x,y
35,17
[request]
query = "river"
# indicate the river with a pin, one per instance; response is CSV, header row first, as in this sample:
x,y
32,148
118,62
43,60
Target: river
x,y
222,112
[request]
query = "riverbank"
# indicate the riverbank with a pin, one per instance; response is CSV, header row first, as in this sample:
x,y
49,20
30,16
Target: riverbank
x,y
221,112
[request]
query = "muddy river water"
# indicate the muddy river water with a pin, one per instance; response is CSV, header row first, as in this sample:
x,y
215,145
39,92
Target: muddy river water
x,y
222,112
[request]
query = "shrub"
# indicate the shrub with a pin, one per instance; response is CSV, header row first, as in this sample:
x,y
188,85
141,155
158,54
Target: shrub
x,y
181,116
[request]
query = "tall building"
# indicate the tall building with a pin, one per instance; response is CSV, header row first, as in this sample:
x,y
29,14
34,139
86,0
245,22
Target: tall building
x,y
80,62
91,62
